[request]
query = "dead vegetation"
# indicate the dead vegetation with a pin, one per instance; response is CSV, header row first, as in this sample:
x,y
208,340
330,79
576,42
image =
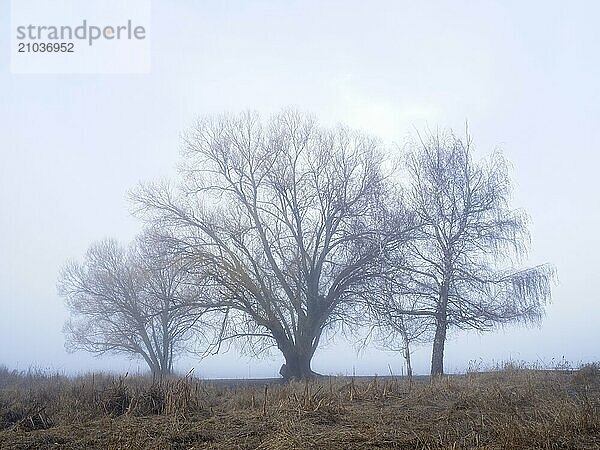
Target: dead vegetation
x,y
509,408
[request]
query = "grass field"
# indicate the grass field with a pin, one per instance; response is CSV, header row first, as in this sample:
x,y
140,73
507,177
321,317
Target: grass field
x,y
502,409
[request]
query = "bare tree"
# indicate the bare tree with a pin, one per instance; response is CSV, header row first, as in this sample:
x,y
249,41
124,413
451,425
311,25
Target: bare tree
x,y
459,271
135,301
391,327
284,218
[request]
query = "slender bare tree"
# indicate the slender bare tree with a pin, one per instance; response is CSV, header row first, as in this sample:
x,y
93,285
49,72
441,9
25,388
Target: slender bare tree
x,y
459,271
391,328
135,301
285,218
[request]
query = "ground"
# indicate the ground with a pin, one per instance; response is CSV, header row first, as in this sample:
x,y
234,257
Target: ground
x,y
504,409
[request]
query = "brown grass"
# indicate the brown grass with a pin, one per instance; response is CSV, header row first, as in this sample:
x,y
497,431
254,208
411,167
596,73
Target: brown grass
x,y
510,408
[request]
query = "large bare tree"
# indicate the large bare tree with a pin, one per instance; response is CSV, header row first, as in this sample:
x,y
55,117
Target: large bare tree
x,y
460,270
137,301
285,218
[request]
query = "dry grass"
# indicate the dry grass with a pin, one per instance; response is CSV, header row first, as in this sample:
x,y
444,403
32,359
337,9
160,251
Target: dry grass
x,y
510,408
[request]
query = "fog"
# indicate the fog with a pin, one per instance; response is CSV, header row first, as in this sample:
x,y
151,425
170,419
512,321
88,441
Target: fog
x,y
524,76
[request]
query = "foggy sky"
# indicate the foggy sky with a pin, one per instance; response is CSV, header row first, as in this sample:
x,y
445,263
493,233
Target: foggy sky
x,y
524,74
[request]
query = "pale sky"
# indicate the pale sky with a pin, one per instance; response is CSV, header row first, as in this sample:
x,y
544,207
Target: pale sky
x,y
524,74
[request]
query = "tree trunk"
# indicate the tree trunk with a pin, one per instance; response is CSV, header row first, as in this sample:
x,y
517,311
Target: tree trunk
x,y
441,325
164,368
298,352
437,356
407,358
297,366
298,356
406,349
